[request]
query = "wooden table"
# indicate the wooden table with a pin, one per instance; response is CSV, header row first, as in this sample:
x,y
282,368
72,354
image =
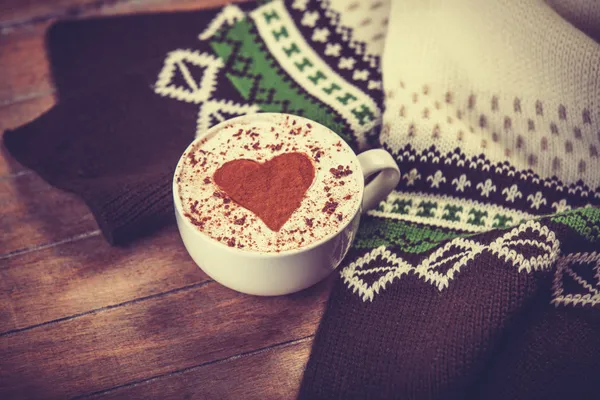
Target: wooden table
x,y
81,319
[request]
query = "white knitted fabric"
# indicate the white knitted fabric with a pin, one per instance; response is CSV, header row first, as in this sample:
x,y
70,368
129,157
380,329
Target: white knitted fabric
x,y
514,81
367,21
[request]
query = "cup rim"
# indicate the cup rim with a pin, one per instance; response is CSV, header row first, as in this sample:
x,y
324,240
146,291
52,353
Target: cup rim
x,y
255,253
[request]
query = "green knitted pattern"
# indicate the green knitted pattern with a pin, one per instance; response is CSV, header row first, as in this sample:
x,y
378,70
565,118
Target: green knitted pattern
x,y
409,237
253,69
584,221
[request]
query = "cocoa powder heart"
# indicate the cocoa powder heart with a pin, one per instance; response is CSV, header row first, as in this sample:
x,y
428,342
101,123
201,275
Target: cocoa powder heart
x,y
272,190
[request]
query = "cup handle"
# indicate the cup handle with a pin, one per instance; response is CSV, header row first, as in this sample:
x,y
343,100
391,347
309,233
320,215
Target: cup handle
x,y
378,161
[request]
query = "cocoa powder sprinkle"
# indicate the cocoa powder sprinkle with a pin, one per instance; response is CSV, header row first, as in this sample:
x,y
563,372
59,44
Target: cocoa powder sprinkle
x,y
340,171
194,221
193,207
295,131
330,207
276,147
192,159
317,153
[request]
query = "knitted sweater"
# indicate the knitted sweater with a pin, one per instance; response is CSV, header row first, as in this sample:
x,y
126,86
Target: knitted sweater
x,y
456,287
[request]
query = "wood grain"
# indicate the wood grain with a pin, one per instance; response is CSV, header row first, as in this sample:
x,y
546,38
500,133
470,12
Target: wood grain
x,y
14,115
34,214
151,337
81,318
271,374
76,277
24,67
16,14
19,12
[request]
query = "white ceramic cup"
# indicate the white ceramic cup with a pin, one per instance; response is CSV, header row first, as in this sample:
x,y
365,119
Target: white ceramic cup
x,y
271,274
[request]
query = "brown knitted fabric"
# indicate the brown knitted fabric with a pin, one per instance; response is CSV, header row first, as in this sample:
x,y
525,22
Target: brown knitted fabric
x,y
110,139
125,177
493,333
85,53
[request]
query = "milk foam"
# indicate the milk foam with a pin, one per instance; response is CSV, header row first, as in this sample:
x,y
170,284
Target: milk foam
x,y
328,205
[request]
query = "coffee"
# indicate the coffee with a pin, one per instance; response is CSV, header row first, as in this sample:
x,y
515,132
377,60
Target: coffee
x,y
269,184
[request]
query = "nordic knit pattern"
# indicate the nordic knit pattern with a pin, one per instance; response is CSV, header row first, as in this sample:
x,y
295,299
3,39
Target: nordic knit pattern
x,y
296,58
489,129
492,113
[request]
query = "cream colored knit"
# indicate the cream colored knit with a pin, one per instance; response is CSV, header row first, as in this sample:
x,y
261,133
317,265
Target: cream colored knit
x,y
513,81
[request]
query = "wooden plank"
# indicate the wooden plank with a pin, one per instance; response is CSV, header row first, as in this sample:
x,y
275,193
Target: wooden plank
x,y
24,67
13,116
152,337
73,278
109,317
9,167
34,214
19,113
19,13
155,6
272,374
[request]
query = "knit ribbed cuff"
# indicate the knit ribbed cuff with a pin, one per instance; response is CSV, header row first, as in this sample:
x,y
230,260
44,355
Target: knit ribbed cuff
x,y
116,148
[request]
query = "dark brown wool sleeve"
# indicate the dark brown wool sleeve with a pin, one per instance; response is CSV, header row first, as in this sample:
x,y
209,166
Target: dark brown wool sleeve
x,y
84,53
110,139
114,147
